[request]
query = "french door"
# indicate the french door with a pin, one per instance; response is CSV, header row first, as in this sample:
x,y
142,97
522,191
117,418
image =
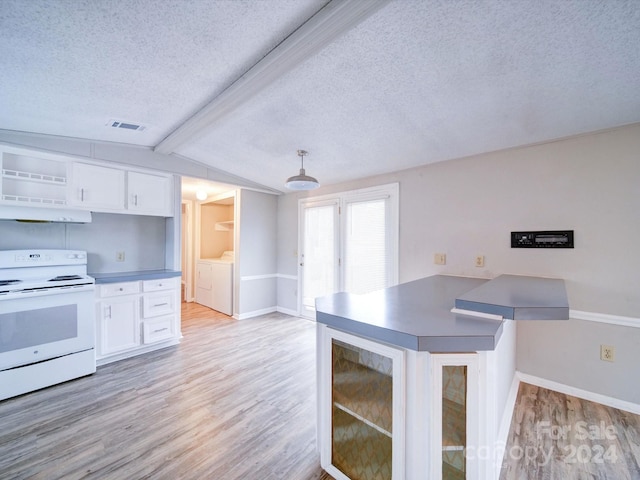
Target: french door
x,y
348,242
319,255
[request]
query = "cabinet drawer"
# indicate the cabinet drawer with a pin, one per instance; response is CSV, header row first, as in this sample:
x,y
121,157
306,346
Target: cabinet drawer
x,y
156,304
158,329
159,284
114,289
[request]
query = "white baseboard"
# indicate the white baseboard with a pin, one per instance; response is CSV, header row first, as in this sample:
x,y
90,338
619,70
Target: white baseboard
x,y
255,313
507,414
288,311
577,392
139,351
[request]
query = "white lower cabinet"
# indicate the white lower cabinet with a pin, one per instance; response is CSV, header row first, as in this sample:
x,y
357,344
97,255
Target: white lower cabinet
x,y
385,412
361,407
136,317
158,329
118,317
119,324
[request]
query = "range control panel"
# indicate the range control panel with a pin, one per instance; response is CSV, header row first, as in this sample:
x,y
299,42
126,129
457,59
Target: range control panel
x,y
544,239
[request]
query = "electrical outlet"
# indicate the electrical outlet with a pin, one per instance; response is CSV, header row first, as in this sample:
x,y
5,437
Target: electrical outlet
x,y
119,256
440,259
607,353
480,261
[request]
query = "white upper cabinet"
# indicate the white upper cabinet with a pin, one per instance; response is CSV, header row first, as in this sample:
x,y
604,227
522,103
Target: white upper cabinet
x,y
149,194
97,187
32,178
38,178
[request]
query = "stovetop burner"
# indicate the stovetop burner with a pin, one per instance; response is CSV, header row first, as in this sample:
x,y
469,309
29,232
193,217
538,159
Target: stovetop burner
x,y
62,278
4,283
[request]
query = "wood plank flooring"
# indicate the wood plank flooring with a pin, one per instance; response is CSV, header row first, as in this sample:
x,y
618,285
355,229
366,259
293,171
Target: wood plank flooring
x,y
235,400
557,436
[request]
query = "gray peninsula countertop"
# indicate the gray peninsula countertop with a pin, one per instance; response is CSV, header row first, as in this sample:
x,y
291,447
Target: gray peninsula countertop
x,y
134,276
417,315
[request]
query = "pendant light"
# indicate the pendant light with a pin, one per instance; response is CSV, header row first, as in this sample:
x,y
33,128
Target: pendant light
x,y
302,181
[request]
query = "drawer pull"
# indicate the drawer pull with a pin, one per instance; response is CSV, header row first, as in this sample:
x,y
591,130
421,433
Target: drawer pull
x,y
161,304
160,330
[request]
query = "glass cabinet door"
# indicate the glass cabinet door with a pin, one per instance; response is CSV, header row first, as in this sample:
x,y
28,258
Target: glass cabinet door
x,y
455,427
366,414
454,421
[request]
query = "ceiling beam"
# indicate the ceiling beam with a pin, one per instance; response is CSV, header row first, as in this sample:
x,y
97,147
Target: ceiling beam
x,y
329,23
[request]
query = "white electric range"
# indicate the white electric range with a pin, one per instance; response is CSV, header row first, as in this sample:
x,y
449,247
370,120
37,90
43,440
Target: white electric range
x,y
47,319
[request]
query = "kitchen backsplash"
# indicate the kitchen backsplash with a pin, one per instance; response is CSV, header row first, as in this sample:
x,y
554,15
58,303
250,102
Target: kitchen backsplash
x,y
140,238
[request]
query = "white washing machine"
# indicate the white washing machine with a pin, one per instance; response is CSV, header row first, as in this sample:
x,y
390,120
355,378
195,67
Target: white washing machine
x,y
214,282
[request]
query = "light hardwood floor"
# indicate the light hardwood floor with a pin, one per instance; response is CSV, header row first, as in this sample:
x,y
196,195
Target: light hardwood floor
x,y
235,400
558,436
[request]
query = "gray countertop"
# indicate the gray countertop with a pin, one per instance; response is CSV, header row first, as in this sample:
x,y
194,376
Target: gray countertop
x,y
519,298
415,315
117,277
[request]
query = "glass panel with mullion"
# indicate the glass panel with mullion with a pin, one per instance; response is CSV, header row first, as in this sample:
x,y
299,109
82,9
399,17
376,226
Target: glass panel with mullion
x,y
366,246
320,272
454,422
361,417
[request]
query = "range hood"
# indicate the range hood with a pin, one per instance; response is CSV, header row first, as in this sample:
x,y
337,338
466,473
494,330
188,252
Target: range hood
x,y
43,214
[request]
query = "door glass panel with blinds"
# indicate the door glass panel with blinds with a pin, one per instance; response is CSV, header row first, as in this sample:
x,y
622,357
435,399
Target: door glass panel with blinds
x,y
365,265
319,256
348,243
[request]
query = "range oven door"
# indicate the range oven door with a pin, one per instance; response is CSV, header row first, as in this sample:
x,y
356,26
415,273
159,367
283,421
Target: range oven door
x,y
41,325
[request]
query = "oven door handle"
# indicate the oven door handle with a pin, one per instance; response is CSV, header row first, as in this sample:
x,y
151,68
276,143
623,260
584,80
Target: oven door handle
x,y
46,291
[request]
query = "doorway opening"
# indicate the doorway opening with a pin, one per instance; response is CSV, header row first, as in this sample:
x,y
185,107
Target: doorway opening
x,y
208,219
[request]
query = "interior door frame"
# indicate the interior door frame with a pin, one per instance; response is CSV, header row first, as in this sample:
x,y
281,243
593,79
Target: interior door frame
x,y
187,248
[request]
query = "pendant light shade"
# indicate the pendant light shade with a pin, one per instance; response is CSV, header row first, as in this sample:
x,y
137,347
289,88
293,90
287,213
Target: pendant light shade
x,y
302,181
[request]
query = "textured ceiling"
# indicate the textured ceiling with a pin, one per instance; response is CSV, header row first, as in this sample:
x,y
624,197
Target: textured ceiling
x,y
415,82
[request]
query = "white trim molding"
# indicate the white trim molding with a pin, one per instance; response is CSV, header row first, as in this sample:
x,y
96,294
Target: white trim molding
x,y
249,278
255,313
578,392
605,318
293,313
287,277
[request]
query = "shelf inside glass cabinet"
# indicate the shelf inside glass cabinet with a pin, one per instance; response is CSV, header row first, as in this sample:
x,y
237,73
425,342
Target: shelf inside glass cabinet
x,y
362,412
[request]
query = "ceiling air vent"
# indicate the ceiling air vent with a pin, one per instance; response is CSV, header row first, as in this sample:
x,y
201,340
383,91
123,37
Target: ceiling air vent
x,y
126,125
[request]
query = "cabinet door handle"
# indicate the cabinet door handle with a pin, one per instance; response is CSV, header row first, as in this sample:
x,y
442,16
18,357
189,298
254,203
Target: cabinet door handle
x,y
82,194
161,330
161,304
135,200
105,313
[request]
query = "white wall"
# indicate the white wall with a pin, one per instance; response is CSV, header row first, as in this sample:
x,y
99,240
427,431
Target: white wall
x,y
257,260
466,207
142,238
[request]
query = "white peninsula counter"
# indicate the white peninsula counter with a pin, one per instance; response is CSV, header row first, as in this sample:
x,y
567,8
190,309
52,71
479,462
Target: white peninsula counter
x,y
408,388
